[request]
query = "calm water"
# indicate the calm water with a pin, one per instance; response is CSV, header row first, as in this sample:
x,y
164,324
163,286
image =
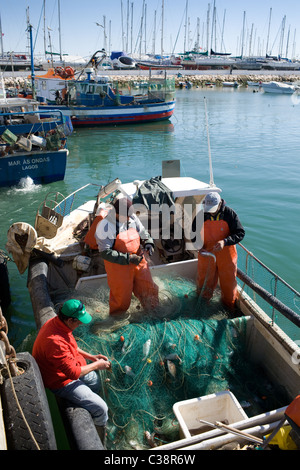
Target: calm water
x,y
254,141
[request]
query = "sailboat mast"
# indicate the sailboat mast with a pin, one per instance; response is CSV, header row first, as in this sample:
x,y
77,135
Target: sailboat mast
x,y
243,34
162,28
267,46
207,29
59,30
186,25
2,51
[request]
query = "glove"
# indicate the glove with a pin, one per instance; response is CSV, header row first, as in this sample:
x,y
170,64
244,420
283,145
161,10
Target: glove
x,y
135,259
149,248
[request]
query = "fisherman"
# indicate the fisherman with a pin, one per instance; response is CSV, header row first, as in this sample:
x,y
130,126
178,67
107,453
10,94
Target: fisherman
x,y
218,257
63,365
123,242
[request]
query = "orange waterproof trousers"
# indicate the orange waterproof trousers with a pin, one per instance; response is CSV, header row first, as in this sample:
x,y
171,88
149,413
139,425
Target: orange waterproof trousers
x,y
224,267
123,280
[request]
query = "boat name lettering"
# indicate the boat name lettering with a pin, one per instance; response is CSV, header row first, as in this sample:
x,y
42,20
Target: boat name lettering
x,y
36,160
33,163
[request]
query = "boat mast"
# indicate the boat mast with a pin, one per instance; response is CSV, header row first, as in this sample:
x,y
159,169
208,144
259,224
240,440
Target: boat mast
x,y
282,36
162,28
59,31
207,29
131,28
154,34
268,31
2,51
145,29
213,27
243,33
32,62
185,26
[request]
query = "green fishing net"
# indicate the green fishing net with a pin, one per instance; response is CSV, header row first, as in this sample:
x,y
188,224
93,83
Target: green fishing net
x,y
183,350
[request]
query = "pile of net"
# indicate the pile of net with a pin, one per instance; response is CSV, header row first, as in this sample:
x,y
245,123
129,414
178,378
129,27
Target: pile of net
x,y
184,350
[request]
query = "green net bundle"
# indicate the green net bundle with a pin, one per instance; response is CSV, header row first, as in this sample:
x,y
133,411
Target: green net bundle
x,y
185,349
158,359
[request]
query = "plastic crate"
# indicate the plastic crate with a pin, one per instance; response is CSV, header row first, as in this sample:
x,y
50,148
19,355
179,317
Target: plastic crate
x,y
222,406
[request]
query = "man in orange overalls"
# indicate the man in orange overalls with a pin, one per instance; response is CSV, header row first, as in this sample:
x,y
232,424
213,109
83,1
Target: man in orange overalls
x,y
218,257
119,237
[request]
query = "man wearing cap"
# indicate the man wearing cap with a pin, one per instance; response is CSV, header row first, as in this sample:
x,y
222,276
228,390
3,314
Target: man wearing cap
x,y
63,365
222,231
122,242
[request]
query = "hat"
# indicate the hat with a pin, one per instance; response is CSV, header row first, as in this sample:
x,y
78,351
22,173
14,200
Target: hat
x,y
122,205
75,309
211,202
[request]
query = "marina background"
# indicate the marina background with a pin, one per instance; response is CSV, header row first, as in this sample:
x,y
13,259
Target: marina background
x,y
83,34
254,139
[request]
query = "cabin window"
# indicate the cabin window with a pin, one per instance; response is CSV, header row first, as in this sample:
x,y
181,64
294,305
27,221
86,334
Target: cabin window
x,y
91,89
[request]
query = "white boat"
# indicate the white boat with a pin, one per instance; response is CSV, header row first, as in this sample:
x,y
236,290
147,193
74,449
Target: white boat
x,y
230,84
278,87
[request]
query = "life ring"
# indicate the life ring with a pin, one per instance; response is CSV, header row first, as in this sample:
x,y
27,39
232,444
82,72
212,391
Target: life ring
x,y
21,239
69,71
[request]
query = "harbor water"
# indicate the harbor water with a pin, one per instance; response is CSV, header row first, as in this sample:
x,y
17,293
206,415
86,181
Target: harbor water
x,y
254,145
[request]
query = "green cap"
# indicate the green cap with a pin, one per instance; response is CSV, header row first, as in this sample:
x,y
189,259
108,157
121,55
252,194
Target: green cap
x,y
75,309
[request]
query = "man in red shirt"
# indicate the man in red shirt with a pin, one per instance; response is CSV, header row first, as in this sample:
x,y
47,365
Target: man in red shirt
x,y
64,366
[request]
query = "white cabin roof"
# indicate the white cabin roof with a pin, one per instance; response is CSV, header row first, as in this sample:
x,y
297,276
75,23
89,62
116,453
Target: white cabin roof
x,y
179,186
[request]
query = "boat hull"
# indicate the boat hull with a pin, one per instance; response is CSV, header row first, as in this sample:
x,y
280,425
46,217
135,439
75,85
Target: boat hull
x,y
99,116
41,167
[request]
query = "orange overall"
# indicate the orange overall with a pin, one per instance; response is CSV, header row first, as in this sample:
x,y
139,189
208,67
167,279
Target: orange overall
x,y
223,268
123,280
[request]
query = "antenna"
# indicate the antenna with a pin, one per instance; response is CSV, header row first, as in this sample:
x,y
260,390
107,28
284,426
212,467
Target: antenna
x,y
211,181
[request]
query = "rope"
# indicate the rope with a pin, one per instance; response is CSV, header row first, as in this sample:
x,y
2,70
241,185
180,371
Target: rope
x,y
17,400
7,365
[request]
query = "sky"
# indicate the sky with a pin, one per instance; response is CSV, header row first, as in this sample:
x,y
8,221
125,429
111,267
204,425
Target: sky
x,y
241,26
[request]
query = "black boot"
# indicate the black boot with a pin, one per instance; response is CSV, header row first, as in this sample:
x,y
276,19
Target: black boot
x,y
101,430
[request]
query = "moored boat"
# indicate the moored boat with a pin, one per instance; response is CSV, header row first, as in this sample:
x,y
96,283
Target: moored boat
x,y
95,100
278,87
189,356
32,142
23,116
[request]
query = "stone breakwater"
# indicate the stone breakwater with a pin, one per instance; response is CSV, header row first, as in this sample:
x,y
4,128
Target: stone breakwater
x,y
197,80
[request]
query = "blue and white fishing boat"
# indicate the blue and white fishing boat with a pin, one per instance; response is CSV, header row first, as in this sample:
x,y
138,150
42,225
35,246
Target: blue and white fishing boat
x,y
23,116
96,100
32,143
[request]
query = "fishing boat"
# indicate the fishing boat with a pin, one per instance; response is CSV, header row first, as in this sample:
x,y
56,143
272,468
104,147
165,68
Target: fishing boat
x,y
40,155
278,87
23,116
95,100
32,142
156,394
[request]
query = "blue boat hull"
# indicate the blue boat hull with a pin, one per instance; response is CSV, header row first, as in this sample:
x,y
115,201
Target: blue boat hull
x,y
82,116
42,167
